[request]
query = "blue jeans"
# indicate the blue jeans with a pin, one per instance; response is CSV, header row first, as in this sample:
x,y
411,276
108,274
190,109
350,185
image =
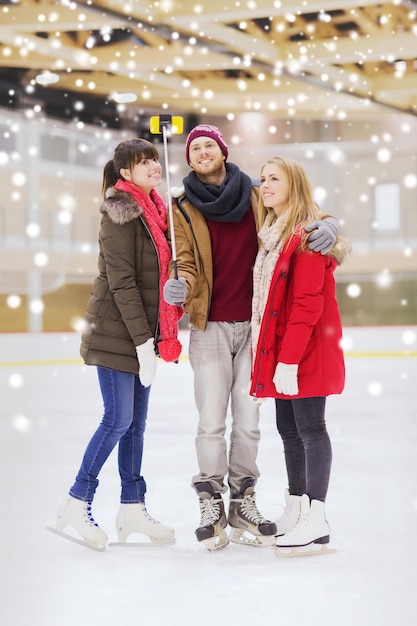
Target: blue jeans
x,y
307,447
221,360
124,421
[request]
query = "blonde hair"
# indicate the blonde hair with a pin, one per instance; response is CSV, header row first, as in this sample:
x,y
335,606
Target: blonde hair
x,y
302,209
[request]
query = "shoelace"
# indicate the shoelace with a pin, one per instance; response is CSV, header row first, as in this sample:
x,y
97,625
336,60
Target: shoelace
x,y
285,514
149,517
90,517
303,519
210,511
250,510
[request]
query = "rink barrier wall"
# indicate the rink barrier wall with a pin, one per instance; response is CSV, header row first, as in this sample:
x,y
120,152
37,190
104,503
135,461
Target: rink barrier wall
x,y
36,349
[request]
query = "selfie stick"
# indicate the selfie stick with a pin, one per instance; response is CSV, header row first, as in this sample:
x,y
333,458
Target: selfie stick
x,y
171,218
160,124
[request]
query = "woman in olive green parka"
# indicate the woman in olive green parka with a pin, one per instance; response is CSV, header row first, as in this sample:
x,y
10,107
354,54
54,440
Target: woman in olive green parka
x,y
122,307
127,323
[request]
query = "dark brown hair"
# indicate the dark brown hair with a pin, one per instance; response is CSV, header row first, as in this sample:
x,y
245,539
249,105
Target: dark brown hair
x,y
126,155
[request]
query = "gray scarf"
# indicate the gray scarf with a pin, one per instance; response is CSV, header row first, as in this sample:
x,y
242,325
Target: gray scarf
x,y
228,202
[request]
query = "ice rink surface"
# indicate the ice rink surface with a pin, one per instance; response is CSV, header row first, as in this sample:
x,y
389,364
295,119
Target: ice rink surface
x,y
50,406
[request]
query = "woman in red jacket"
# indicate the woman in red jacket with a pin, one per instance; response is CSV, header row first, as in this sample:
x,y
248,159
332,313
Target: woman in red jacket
x,y
298,359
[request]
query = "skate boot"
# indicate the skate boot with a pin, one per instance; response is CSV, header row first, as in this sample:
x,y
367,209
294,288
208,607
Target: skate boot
x,y
213,522
311,534
77,514
134,518
289,518
248,526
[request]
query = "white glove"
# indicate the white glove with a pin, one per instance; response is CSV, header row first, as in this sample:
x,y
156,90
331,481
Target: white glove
x,y
147,362
175,290
324,234
285,379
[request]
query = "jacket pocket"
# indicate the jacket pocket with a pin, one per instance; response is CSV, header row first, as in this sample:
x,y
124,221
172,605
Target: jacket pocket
x,y
309,360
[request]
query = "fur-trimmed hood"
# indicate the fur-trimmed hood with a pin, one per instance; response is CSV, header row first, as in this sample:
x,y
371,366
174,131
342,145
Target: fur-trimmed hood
x,y
177,192
341,249
120,206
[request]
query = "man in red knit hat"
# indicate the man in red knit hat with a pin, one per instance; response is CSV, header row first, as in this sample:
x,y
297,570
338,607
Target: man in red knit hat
x,y
215,224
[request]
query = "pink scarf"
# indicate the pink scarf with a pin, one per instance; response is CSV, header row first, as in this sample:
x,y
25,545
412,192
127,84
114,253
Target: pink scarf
x,y
155,213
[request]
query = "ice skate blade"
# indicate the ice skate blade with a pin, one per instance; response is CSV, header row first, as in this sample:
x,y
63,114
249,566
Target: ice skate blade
x,y
217,542
245,538
141,544
312,549
80,542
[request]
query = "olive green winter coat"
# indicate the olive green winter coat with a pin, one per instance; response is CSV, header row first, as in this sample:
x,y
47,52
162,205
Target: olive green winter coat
x,y
122,310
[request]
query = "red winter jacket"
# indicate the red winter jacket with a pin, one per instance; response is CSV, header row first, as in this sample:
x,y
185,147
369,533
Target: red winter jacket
x,y
301,325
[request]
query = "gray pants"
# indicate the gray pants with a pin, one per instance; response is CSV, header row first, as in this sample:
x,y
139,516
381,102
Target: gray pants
x,y
221,360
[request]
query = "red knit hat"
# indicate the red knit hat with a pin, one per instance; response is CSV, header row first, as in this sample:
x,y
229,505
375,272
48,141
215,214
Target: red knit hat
x,y
205,130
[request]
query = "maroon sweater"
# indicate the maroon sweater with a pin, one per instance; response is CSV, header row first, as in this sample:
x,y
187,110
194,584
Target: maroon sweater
x,y
234,248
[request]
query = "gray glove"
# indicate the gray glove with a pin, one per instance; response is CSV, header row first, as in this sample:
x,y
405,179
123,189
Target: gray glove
x,y
175,290
147,362
324,234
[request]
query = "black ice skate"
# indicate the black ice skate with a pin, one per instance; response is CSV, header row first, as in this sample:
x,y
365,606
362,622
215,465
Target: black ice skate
x,y
248,526
213,522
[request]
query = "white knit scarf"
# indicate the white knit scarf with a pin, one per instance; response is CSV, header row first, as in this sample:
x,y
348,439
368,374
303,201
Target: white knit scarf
x,y
266,260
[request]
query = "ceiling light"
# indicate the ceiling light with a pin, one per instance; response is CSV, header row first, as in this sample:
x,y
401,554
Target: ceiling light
x,y
122,98
47,78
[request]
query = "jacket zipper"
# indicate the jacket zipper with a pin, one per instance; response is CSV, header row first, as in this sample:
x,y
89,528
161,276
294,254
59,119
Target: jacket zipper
x,y
159,277
260,346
